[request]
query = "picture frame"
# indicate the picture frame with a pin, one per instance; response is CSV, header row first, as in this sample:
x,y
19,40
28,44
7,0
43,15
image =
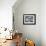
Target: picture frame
x,y
29,19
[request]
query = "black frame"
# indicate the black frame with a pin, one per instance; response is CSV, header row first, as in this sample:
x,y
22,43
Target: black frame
x,y
26,23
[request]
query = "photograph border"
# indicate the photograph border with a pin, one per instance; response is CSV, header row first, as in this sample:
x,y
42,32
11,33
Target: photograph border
x,y
29,23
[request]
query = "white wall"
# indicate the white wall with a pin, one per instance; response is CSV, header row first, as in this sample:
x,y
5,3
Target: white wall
x,y
43,22
30,31
6,13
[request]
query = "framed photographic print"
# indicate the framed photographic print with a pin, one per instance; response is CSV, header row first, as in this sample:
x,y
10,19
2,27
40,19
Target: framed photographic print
x,y
29,19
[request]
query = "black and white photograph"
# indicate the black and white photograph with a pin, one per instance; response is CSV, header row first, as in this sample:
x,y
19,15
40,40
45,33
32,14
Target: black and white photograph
x,y
29,19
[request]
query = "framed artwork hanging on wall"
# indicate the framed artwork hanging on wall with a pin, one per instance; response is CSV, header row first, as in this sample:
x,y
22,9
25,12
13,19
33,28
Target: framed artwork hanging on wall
x,y
29,19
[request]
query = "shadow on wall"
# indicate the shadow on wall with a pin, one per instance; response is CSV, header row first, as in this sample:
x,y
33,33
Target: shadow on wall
x,y
28,7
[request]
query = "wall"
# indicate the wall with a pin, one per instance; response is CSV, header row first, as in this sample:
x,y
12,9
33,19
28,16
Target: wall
x,y
6,13
32,32
43,22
